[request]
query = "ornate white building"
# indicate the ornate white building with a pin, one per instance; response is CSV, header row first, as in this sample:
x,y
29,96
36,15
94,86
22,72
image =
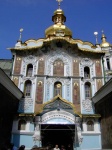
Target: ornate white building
x,y
58,76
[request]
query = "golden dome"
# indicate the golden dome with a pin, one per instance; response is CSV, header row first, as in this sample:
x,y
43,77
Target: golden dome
x,y
104,42
58,29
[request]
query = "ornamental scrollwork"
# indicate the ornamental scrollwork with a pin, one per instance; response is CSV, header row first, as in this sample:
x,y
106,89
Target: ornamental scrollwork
x,y
86,62
25,104
30,59
87,105
52,58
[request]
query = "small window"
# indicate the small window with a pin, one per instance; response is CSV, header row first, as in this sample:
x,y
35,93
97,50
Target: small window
x,y
86,72
108,63
90,126
57,88
22,124
29,70
27,88
87,90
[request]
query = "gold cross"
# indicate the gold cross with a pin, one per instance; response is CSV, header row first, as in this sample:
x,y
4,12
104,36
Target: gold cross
x,y
59,1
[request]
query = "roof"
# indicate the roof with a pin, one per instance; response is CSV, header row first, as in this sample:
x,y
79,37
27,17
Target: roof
x,y
35,44
103,91
6,64
9,85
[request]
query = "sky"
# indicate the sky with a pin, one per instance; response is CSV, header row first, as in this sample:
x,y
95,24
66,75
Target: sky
x,y
83,17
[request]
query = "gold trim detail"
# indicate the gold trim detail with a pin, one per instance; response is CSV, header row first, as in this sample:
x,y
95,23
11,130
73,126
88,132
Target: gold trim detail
x,y
64,100
91,115
69,40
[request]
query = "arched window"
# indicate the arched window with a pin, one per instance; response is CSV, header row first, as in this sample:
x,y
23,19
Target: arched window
x,y
27,88
29,70
86,72
90,125
108,63
21,124
58,68
87,90
57,88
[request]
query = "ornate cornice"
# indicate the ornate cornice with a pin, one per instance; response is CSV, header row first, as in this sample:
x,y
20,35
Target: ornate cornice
x,y
41,42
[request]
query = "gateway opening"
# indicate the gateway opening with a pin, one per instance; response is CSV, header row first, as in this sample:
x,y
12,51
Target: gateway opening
x,y
53,134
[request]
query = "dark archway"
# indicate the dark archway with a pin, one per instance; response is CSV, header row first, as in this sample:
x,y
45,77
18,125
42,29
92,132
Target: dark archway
x,y
57,134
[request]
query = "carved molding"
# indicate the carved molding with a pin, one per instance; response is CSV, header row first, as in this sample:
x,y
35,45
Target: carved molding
x,y
86,62
30,59
58,114
50,81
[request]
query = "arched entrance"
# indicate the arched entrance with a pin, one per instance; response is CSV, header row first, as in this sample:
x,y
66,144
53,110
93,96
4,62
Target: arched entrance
x,y
57,127
57,121
61,134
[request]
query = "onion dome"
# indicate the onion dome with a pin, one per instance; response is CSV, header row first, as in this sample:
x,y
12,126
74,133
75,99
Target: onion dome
x,y
104,42
58,29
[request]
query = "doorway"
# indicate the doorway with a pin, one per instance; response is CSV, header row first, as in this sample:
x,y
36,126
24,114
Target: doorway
x,y
53,134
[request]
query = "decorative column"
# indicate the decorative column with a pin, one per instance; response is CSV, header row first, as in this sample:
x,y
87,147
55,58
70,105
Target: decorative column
x,y
78,135
37,131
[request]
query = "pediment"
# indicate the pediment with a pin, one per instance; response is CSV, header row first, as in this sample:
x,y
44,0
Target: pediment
x,y
58,103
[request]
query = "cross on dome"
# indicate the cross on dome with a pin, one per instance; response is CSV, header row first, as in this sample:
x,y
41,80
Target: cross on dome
x,y
59,1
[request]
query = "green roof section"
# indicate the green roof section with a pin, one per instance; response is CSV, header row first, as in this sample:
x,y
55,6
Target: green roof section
x,y
6,65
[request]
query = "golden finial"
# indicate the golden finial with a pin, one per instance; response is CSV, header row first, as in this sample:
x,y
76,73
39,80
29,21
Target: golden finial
x,y
59,1
104,42
20,37
103,36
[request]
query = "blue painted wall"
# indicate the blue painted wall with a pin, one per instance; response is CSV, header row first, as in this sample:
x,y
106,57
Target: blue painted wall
x,y
21,139
91,142
31,126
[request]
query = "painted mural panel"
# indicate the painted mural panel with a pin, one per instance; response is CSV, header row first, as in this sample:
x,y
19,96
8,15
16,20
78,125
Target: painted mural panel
x,y
58,68
75,67
41,67
17,67
39,91
99,84
76,92
98,68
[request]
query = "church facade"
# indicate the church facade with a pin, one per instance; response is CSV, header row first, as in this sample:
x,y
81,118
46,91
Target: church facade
x,y
59,76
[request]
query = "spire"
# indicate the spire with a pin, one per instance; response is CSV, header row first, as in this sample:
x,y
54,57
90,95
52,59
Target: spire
x,y
59,17
19,42
20,37
58,29
59,2
104,42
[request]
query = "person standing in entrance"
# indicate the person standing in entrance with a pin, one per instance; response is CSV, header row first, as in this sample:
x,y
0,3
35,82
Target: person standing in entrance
x,y
56,147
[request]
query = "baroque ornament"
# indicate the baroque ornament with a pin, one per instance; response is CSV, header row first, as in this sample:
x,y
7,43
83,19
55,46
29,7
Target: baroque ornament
x,y
58,55
87,105
86,62
25,104
30,59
